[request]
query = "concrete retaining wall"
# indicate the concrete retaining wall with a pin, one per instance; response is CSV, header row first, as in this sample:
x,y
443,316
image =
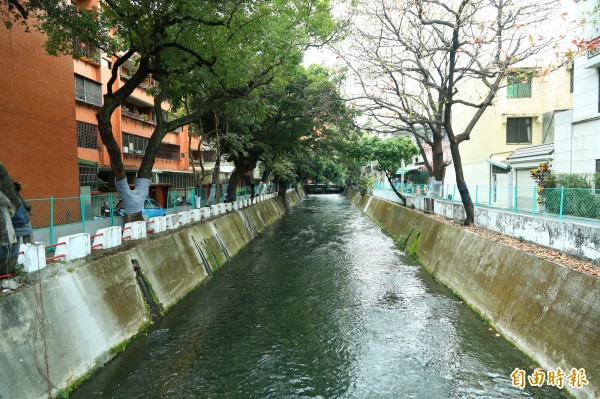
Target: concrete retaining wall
x,y
549,311
91,305
579,238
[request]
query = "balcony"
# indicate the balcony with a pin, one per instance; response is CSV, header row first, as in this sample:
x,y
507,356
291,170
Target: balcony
x,y
86,52
140,117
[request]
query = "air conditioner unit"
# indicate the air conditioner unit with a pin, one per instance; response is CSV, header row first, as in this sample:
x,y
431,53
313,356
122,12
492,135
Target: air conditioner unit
x,y
131,147
125,150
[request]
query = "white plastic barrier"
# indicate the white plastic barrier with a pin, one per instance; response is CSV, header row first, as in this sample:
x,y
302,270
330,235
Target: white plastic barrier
x,y
214,210
222,208
172,221
195,215
134,230
246,203
73,247
253,200
240,204
184,218
229,207
32,257
205,212
234,205
158,224
108,237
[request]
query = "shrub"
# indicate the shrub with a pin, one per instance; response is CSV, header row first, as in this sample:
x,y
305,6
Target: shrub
x,y
365,184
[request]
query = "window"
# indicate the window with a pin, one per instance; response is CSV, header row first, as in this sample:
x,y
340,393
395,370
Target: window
x,y
87,135
598,166
209,156
572,79
518,86
598,89
518,131
168,152
88,91
88,176
178,180
106,63
133,144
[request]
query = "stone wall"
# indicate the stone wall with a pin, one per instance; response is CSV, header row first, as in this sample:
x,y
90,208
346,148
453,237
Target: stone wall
x,y
549,311
72,314
578,238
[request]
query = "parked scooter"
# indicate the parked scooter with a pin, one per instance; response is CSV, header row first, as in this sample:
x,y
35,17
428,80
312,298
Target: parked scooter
x,y
180,200
118,210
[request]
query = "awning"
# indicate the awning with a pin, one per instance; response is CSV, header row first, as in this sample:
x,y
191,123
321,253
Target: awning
x,y
86,162
222,168
409,168
498,164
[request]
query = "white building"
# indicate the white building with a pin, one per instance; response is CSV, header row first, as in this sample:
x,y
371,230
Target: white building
x,y
577,134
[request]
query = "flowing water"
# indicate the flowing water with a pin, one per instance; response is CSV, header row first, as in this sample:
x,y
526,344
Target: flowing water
x,y
324,305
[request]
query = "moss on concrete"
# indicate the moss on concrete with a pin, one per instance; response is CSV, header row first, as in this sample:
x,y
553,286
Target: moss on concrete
x,y
542,308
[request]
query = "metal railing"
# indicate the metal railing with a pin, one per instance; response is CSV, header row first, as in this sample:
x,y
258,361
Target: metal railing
x,y
580,203
49,213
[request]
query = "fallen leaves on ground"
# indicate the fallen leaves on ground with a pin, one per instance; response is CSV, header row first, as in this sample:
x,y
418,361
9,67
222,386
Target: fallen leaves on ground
x,y
543,252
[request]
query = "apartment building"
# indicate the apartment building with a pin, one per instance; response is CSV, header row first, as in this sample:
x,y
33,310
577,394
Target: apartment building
x,y
577,138
133,124
38,144
513,135
49,138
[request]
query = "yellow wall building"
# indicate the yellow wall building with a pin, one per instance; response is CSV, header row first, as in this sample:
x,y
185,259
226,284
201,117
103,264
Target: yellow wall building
x,y
523,115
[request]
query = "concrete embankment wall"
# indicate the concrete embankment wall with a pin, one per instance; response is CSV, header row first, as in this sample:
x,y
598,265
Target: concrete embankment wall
x,y
549,311
580,238
74,315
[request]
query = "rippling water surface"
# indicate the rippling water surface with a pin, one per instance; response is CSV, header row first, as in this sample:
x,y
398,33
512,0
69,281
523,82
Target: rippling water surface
x,y
324,305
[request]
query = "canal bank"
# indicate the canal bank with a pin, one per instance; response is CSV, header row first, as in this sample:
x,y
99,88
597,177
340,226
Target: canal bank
x,y
549,311
325,305
73,317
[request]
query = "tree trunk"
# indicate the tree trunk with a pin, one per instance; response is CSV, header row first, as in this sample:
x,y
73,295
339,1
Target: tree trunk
x,y
462,185
398,193
281,188
438,168
113,100
232,186
263,181
216,176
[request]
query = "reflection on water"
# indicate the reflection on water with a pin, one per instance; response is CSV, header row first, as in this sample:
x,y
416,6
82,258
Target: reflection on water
x,y
323,306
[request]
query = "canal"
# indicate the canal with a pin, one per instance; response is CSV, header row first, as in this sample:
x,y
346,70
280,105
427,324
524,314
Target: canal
x,y
324,305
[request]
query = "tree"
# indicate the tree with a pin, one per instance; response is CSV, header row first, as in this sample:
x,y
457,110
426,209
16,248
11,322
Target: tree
x,y
300,109
220,47
419,62
389,155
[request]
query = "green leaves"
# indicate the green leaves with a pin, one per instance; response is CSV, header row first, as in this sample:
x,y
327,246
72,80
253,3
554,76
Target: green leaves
x,y
389,154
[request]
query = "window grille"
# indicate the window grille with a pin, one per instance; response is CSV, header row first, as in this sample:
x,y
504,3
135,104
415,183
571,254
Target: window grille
x,y
134,144
209,156
168,152
88,91
518,87
178,180
86,50
87,135
518,131
88,176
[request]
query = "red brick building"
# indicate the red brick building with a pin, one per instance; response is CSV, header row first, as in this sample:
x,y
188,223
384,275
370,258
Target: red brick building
x,y
48,129
37,116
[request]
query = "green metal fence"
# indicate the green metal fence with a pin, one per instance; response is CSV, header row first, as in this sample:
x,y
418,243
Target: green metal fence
x,y
581,203
48,213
